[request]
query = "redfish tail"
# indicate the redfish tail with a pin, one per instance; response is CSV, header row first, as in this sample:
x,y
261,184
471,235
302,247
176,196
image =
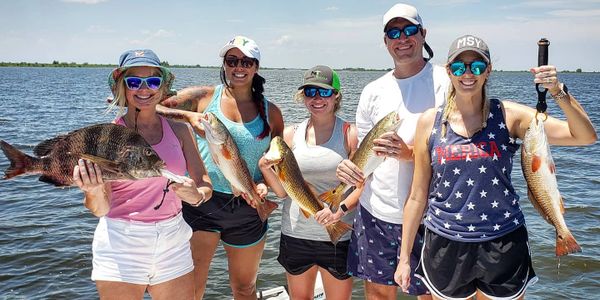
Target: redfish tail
x,y
566,244
20,163
333,198
337,230
265,209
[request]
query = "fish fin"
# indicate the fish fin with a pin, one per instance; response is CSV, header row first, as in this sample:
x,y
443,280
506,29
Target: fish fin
x,y
537,206
280,174
104,163
265,209
536,163
45,147
566,244
552,168
20,163
50,180
305,213
226,153
336,231
333,198
562,205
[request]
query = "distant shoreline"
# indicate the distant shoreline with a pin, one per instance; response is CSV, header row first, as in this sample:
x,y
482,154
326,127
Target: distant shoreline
x,y
57,64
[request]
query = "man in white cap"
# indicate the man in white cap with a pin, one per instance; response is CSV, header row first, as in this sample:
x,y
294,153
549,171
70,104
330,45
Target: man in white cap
x,y
414,86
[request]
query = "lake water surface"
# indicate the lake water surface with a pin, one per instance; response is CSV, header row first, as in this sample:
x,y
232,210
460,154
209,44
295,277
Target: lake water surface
x,y
46,233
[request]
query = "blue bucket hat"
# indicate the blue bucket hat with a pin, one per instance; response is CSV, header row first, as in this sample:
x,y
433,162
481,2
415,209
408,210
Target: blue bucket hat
x,y
139,58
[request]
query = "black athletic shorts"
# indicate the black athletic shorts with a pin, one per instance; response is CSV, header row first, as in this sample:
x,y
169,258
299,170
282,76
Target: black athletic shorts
x,y
498,268
298,255
236,221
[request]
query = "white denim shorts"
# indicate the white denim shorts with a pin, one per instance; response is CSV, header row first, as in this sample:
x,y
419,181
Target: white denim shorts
x,y
141,253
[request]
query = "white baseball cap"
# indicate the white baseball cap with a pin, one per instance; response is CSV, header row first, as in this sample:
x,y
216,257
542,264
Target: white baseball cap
x,y
403,11
246,45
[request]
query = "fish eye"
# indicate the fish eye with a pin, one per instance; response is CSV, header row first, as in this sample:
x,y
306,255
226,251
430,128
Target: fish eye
x,y
148,152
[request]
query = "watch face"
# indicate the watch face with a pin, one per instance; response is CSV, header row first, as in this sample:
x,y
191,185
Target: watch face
x,y
344,208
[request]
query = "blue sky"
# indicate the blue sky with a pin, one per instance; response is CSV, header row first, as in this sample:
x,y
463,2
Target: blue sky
x,y
294,34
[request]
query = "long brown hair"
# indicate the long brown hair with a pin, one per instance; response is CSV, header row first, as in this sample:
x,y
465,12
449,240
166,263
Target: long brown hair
x,y
450,106
258,98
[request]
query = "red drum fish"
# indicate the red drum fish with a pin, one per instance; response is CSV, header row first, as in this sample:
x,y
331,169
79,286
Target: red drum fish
x,y
540,174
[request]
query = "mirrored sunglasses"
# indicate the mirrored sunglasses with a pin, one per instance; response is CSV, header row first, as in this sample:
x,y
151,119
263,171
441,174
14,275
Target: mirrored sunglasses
x,y
458,68
310,91
135,83
395,32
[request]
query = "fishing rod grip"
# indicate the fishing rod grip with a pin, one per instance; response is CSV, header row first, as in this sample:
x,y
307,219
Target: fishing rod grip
x,y
543,44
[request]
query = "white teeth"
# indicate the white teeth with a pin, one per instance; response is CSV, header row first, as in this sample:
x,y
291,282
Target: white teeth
x,y
468,82
239,75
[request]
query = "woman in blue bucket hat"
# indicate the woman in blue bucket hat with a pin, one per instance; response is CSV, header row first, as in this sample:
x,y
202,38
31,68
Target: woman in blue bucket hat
x,y
252,121
142,241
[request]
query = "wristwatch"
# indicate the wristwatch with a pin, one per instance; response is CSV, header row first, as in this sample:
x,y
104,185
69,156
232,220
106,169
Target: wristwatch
x,y
563,94
344,208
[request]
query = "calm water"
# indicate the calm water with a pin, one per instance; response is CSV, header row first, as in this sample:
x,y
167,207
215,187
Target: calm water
x,y
46,233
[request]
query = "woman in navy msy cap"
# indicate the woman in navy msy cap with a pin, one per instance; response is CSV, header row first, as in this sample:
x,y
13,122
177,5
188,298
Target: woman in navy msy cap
x,y
142,242
252,121
471,209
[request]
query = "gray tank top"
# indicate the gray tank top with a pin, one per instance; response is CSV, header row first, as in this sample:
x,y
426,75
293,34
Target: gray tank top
x,y
317,164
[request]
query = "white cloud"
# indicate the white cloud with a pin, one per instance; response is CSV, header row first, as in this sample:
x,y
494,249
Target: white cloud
x,y
332,8
152,37
284,39
84,1
99,29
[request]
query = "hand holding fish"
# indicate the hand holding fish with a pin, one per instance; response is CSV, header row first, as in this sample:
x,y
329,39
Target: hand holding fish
x,y
391,145
547,77
326,217
87,176
348,173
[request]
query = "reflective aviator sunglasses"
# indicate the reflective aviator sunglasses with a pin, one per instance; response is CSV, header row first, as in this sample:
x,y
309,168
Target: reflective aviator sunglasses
x,y
311,91
395,32
135,83
233,62
458,68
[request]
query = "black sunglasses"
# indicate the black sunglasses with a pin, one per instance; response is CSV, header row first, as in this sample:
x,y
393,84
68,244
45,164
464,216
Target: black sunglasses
x,y
245,61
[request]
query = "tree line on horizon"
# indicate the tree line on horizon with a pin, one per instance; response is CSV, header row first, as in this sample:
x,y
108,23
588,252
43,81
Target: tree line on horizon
x,y
59,64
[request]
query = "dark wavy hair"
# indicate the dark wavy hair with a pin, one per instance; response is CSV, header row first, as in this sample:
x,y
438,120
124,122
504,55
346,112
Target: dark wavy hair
x,y
258,98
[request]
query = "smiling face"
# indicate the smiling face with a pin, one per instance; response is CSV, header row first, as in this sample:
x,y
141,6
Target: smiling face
x,y
318,105
405,49
144,97
468,83
238,74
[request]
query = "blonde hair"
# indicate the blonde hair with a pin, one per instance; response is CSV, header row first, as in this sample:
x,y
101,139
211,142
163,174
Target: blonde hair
x,y
450,107
120,99
299,97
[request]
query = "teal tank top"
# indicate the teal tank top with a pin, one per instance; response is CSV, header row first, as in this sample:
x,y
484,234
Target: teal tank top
x,y
245,137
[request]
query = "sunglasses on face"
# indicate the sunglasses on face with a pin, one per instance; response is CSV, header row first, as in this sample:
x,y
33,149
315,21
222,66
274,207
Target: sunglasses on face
x,y
233,62
312,92
395,32
458,68
135,83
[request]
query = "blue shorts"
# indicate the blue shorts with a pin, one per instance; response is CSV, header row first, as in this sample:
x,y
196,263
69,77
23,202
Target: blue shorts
x,y
375,249
232,217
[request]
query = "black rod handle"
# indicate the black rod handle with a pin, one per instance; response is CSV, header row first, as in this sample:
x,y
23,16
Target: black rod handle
x,y
543,44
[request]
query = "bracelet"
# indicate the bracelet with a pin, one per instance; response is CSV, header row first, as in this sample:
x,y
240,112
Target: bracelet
x,y
562,95
202,200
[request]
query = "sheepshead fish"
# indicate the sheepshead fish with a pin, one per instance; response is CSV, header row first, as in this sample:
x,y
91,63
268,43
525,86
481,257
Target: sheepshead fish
x,y
539,171
226,156
297,189
364,157
121,153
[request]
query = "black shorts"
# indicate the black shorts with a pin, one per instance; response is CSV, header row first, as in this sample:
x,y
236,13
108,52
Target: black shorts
x,y
236,221
298,255
498,268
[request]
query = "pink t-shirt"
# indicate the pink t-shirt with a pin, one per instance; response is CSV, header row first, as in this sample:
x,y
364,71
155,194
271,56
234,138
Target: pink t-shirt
x,y
134,200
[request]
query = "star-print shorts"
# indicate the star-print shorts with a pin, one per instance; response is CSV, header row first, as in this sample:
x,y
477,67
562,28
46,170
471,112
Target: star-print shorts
x,y
500,268
375,248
